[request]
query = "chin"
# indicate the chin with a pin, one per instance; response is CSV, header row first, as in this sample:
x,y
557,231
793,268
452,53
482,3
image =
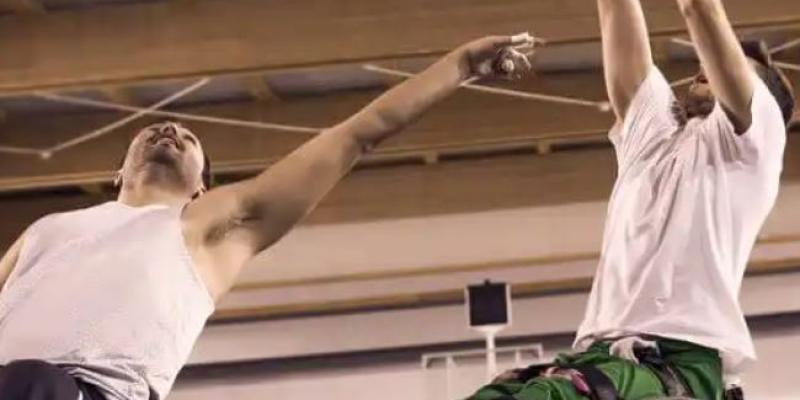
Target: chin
x,y
699,107
701,111
162,155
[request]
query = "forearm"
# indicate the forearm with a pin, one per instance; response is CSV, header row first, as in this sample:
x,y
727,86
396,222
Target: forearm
x,y
278,198
720,54
406,102
697,8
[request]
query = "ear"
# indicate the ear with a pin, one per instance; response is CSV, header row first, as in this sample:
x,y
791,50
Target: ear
x,y
118,179
199,192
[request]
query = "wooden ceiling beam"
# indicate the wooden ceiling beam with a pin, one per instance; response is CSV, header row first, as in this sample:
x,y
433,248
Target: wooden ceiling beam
x,y
107,46
258,88
466,125
23,6
471,185
119,95
467,121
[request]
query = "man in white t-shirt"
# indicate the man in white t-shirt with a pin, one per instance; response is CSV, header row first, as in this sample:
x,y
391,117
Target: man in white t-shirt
x,y
696,180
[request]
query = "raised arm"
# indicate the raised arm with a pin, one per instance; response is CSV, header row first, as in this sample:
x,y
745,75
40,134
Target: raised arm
x,y
627,58
722,58
240,220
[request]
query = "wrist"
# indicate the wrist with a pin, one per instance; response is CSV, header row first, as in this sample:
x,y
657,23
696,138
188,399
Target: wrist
x,y
690,8
458,59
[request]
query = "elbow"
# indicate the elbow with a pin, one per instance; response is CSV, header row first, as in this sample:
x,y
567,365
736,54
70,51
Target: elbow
x,y
376,128
390,121
354,143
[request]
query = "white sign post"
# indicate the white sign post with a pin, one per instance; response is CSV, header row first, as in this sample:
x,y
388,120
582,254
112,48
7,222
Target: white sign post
x,y
489,312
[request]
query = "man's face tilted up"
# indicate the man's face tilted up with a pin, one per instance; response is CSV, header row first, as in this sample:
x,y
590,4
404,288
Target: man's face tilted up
x,y
700,100
166,154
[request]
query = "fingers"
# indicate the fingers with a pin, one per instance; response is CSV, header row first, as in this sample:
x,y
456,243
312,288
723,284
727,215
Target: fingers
x,y
524,40
528,48
514,54
522,62
498,42
521,39
503,57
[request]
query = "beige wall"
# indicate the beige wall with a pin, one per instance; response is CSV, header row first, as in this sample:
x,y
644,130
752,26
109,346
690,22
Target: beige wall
x,y
774,378
330,250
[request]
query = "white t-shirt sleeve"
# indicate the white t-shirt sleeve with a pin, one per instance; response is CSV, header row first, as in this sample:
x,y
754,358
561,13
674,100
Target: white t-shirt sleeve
x,y
650,114
764,140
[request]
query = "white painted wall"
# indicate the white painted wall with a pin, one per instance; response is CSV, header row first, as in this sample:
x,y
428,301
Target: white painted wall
x,y
442,240
316,251
415,327
513,273
452,240
774,378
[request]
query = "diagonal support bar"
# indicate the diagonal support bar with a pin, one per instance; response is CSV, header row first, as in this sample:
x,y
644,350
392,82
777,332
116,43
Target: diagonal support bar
x,y
20,150
600,105
788,45
783,65
114,125
106,105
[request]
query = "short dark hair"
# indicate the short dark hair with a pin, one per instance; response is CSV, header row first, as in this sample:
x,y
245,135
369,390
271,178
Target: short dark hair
x,y
773,78
205,175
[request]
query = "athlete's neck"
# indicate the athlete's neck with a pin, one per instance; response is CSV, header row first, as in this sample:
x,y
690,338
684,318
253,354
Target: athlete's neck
x,y
139,195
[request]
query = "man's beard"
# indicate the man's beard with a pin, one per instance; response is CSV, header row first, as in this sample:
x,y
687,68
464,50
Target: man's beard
x,y
161,155
164,166
698,106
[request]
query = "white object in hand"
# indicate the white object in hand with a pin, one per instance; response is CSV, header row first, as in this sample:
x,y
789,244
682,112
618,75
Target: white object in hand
x,y
507,66
521,38
485,69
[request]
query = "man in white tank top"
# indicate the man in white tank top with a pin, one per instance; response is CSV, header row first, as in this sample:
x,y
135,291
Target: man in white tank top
x,y
696,180
106,302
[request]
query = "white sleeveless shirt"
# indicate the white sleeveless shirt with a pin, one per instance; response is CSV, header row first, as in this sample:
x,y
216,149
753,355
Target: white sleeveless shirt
x,y
109,292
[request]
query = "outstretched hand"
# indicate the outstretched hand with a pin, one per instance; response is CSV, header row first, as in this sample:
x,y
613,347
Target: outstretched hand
x,y
503,57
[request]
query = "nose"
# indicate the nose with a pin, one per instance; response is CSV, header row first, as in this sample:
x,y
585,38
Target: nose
x,y
170,129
